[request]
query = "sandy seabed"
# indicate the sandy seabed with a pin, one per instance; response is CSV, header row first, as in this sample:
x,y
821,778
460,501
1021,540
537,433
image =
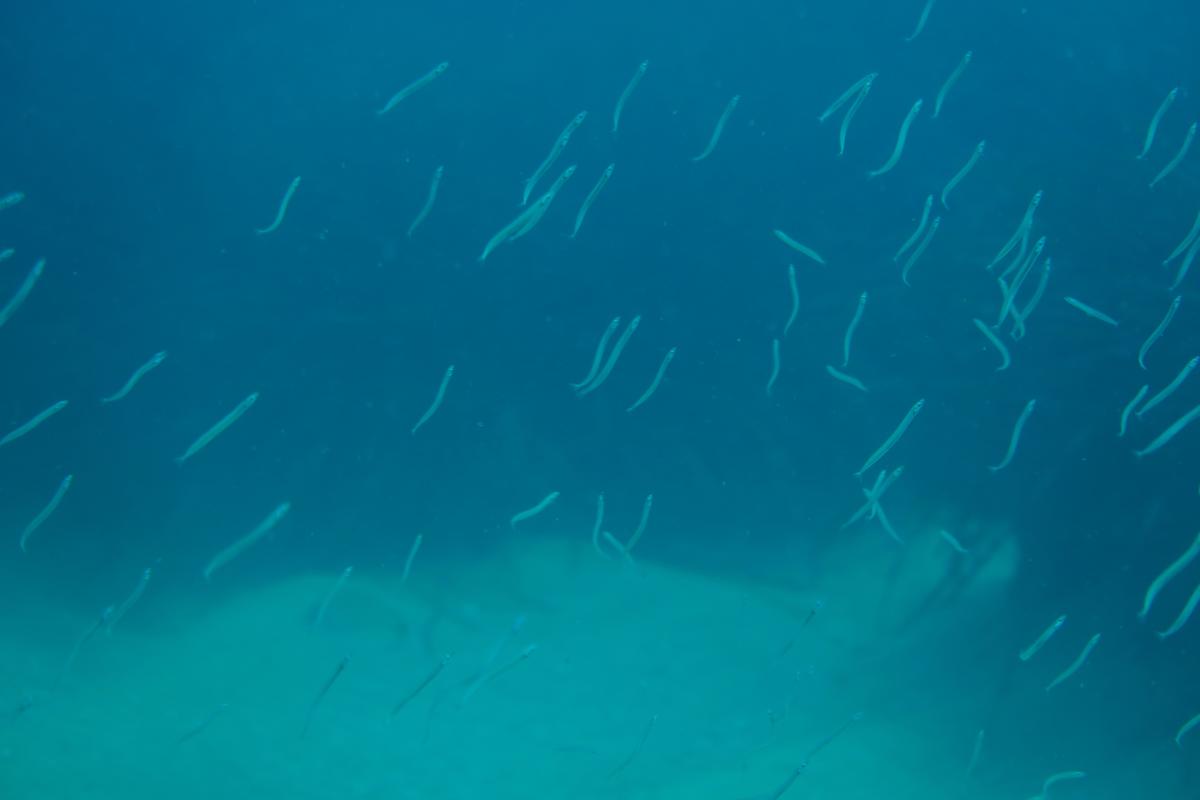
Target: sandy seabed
x,y
569,675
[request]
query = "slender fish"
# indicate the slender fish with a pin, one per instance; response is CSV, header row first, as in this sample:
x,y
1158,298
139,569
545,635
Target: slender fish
x,y
919,250
38,419
950,81
774,366
1090,311
795,293
802,249
23,291
629,87
237,548
858,312
916,235
1174,568
1179,156
1169,433
641,526
716,134
658,376
412,554
437,399
612,357
591,197
849,380
415,86
901,138
1016,436
429,198
962,173
1125,412
924,18
323,609
1032,650
283,207
1184,615
1187,728
1170,388
560,144
1157,118
995,340
45,513
1076,664
534,511
855,88
890,442
1157,333
599,356
217,429
137,375
321,694
846,120
1192,235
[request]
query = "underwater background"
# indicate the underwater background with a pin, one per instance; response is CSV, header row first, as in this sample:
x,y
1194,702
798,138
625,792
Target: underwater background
x,y
752,645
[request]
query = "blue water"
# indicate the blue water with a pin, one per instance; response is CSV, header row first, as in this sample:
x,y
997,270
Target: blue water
x,y
152,140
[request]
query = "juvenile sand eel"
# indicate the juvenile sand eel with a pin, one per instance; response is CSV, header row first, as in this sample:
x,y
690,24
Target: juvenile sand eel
x,y
591,198
658,376
1005,357
133,597
412,555
599,355
1184,615
539,209
1053,628
1090,311
46,511
921,21
253,537
802,249
1170,388
901,138
325,687
216,430
429,200
520,225
774,366
1170,433
1185,729
855,88
415,86
1016,436
1192,235
794,291
137,375
890,442
529,513
849,380
1074,666
719,129
641,526
23,291
38,419
950,81
420,687
556,150
1022,232
846,120
1156,119
11,199
1057,778
853,326
283,207
920,249
618,348
1174,568
916,235
1125,412
323,609
638,74
1179,156
437,399
976,154
1158,331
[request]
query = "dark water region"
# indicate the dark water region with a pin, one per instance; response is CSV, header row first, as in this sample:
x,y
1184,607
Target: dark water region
x,y
152,142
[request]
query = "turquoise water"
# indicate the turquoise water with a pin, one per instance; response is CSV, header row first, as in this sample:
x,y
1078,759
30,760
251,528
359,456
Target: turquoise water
x,y
749,632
